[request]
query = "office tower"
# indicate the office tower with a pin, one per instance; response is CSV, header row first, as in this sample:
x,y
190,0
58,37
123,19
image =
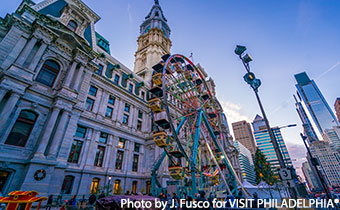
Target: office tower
x,y
329,162
311,180
264,143
246,162
314,104
333,137
306,124
337,108
244,134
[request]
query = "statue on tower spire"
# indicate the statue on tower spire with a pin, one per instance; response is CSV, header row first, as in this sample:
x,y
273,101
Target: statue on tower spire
x,y
156,2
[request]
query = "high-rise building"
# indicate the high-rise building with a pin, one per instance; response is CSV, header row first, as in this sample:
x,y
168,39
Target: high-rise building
x,y
329,162
337,108
308,129
246,162
333,137
243,134
263,142
314,104
310,177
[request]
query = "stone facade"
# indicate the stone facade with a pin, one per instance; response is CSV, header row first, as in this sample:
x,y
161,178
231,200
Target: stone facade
x,y
68,112
72,117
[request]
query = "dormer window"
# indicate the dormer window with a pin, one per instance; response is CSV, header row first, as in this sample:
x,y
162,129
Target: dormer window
x,y
72,25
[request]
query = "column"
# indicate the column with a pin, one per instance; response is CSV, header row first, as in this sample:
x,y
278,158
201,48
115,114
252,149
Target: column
x,y
103,102
37,56
98,101
58,136
47,133
3,92
115,140
14,53
126,156
108,152
28,48
120,111
116,109
135,118
70,73
8,108
132,116
78,78
145,122
68,137
92,148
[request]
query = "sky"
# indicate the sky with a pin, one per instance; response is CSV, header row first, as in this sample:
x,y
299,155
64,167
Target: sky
x,y
284,37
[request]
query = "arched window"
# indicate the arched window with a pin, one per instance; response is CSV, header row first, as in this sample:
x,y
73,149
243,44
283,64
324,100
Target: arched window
x,y
72,25
66,188
48,73
94,185
22,128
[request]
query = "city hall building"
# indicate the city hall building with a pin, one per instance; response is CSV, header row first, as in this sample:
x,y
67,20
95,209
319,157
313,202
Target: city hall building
x,y
72,117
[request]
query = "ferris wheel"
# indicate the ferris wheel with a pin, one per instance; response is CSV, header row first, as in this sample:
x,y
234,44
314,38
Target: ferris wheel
x,y
187,126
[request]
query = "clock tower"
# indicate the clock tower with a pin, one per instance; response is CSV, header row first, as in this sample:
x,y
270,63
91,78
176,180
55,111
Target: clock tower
x,y
153,42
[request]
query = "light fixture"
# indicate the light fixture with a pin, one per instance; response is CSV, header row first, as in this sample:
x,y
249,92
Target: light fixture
x,y
110,177
239,50
247,58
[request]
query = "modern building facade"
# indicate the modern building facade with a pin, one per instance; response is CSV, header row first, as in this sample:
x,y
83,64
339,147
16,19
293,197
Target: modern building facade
x,y
329,162
246,162
264,143
337,108
314,104
310,177
72,117
243,134
333,137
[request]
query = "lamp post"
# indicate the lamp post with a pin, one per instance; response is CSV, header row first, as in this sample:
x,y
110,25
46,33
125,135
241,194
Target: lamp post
x,y
255,83
108,186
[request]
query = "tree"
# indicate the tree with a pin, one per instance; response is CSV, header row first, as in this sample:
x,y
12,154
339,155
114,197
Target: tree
x,y
262,169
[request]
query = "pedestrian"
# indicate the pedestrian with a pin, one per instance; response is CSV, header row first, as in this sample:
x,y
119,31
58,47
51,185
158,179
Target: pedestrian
x,y
92,201
202,199
49,202
71,205
102,195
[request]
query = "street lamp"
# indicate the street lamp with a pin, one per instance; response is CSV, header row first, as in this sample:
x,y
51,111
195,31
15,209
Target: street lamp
x,y
255,83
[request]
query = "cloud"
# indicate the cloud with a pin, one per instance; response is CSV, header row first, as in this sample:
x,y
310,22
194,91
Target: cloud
x,y
129,13
297,153
233,112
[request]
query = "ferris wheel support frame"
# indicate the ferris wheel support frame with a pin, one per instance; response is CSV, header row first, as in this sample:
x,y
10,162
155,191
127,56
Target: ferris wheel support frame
x,y
234,180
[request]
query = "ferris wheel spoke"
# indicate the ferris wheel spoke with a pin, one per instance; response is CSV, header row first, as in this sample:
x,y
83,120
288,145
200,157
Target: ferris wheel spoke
x,y
181,87
180,99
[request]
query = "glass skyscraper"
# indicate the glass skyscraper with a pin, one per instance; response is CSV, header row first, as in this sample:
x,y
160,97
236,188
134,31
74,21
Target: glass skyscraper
x,y
314,105
246,162
264,143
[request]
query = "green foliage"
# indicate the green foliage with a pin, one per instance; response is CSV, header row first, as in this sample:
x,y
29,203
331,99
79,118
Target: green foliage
x,y
262,169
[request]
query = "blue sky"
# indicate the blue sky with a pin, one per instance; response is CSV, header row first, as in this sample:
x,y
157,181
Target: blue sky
x,y
283,37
